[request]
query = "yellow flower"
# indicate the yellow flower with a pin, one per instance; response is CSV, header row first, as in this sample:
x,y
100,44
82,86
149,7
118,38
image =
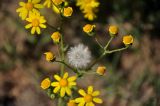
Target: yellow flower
x,y
56,37
50,56
88,28
48,3
64,84
88,98
101,70
67,11
71,103
88,7
36,21
27,7
128,39
57,2
45,84
113,30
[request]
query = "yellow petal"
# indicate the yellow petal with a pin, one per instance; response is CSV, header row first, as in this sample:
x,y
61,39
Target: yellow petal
x,y
57,77
79,100
21,3
95,93
62,92
90,89
81,104
73,78
24,14
56,89
42,26
42,20
38,6
55,84
28,26
38,30
33,30
82,92
72,83
68,90
35,1
90,104
65,75
97,100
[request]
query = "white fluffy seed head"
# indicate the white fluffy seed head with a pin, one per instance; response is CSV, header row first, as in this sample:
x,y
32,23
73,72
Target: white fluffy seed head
x,y
79,56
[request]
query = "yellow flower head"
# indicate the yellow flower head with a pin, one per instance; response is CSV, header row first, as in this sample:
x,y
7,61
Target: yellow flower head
x,y
128,39
88,98
56,36
50,56
113,30
36,21
57,2
63,84
88,7
48,3
45,84
88,28
71,103
67,12
101,70
27,7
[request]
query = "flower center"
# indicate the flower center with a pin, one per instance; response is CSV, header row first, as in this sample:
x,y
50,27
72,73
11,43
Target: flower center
x,y
29,6
63,82
88,98
35,22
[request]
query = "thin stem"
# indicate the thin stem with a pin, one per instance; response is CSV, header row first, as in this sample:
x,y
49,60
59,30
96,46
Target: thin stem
x,y
116,50
54,28
98,43
106,47
62,62
62,54
99,58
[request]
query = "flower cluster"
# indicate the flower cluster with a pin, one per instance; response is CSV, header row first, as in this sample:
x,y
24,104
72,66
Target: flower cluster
x,y
79,58
29,11
64,85
88,7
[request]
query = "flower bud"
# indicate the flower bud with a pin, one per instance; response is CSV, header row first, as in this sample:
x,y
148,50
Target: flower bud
x,y
50,56
89,29
113,30
45,84
101,70
67,12
128,39
56,37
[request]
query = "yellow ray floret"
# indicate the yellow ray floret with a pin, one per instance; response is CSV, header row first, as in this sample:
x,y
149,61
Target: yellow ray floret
x,y
36,21
88,98
63,84
27,7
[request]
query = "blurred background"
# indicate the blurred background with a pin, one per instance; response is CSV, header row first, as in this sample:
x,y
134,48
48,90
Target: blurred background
x,y
133,75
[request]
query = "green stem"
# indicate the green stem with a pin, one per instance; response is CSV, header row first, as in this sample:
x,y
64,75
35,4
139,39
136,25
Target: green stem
x,y
54,28
116,50
107,45
98,43
62,54
60,102
62,62
101,56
